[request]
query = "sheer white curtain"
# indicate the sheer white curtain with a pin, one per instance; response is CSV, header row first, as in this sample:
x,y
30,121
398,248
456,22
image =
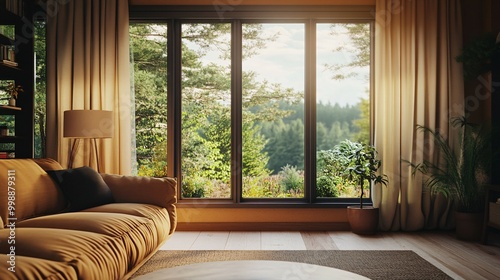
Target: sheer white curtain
x,y
88,68
417,81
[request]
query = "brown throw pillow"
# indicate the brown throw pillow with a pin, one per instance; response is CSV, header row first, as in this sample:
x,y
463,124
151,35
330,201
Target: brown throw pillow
x,y
83,187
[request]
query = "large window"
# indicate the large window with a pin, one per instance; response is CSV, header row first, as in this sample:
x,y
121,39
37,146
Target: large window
x,y
148,50
259,108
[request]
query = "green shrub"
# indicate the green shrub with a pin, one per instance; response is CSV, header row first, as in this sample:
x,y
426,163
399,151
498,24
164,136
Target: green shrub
x,y
291,179
193,187
326,187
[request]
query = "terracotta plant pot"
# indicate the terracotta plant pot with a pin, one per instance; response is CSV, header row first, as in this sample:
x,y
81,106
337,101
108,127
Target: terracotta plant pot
x,y
469,226
12,102
363,221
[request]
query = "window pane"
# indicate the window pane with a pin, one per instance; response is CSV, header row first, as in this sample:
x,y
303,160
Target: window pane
x,y
273,110
342,102
148,44
206,111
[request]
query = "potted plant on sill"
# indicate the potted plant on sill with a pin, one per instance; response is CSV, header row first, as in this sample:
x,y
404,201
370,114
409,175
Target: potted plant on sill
x,y
362,167
461,174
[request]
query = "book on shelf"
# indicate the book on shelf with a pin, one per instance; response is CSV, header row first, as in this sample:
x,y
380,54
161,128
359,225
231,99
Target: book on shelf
x,y
15,6
6,154
8,55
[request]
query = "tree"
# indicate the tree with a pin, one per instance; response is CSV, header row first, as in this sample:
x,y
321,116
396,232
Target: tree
x,y
359,48
40,90
148,51
359,35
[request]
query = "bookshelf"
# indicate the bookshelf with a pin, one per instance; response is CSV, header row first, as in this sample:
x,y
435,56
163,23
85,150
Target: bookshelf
x,y
17,67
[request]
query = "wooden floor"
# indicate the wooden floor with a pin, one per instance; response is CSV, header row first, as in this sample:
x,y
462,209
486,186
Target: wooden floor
x,y
459,259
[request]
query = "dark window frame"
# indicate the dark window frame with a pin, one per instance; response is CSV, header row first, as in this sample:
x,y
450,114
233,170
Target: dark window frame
x,y
175,16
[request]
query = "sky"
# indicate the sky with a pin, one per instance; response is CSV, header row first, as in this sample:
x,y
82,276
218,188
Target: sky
x,y
282,61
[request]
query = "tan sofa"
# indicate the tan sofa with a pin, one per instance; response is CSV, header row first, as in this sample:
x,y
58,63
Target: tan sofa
x,y
43,235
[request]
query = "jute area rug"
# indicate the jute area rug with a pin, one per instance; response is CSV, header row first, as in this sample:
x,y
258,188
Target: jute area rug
x,y
372,264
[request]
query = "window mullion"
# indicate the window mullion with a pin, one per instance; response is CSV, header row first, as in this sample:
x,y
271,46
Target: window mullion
x,y
236,110
310,113
174,81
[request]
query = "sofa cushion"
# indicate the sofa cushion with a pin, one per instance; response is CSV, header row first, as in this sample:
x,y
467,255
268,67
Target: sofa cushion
x,y
92,255
138,235
161,192
111,224
34,192
158,215
33,268
48,163
83,187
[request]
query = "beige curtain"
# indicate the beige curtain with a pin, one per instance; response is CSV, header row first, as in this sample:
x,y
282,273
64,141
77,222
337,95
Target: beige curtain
x,y
88,68
417,81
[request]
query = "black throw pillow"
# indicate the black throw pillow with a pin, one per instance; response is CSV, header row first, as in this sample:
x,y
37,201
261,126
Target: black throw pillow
x,y
83,187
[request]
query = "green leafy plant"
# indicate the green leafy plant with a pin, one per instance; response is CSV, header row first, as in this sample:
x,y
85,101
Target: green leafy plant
x,y
461,172
349,163
13,91
476,56
363,167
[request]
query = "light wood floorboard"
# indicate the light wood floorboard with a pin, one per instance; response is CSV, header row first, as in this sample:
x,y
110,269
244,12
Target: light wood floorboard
x,y
459,259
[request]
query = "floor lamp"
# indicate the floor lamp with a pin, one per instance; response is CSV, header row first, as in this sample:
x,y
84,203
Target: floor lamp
x,y
90,124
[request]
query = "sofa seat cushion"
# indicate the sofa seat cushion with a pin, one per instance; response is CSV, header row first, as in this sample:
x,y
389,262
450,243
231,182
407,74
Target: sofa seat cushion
x,y
137,234
33,268
92,255
158,215
111,224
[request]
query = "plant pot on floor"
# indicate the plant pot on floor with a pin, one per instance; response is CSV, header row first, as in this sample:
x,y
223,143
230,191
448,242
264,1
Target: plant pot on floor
x,y
363,221
469,226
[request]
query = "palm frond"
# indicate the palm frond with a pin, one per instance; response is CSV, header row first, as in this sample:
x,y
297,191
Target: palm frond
x,y
457,174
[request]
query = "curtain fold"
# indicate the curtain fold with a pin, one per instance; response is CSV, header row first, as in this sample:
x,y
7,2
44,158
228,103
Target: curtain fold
x,y
417,82
88,68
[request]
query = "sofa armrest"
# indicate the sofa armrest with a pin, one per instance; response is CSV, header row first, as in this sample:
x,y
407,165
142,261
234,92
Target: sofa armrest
x,y
161,192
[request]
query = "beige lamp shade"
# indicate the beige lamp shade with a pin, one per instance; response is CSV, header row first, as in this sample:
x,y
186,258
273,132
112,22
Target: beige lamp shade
x,y
88,124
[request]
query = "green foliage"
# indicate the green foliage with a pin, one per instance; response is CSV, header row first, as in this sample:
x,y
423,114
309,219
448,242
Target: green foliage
x,y
363,166
363,123
476,56
255,158
326,186
359,47
268,187
40,90
157,165
460,172
148,51
352,163
194,186
291,179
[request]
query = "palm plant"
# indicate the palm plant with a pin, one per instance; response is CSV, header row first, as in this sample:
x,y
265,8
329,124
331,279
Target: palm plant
x,y
460,173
